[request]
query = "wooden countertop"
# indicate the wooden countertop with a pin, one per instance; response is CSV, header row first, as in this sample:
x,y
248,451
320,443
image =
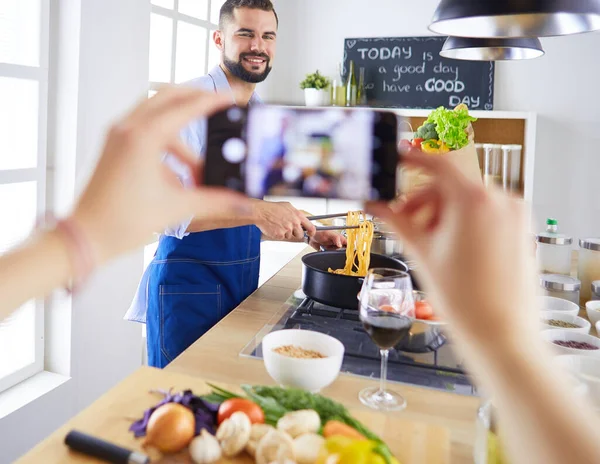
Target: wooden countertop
x,y
215,357
110,416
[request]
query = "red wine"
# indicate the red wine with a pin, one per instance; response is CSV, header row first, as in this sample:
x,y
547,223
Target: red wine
x,y
386,329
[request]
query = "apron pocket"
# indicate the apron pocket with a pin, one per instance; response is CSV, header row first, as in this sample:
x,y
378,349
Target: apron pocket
x,y
186,313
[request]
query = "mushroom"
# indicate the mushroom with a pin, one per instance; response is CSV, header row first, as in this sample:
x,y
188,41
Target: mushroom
x,y
275,446
234,433
307,448
205,449
256,433
299,422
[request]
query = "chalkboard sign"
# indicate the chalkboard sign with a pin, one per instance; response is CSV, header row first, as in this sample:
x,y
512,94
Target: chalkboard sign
x,y
408,72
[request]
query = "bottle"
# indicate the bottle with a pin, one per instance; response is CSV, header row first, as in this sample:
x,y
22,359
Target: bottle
x,y
351,86
361,93
553,250
340,93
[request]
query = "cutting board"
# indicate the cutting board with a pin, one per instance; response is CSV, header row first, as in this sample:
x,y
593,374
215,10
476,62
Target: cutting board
x,y
110,416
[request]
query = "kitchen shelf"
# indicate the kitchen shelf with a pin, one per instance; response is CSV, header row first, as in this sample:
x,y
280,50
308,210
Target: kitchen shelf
x,y
498,127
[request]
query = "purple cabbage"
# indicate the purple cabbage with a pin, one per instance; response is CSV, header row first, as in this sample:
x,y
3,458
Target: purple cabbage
x,y
204,412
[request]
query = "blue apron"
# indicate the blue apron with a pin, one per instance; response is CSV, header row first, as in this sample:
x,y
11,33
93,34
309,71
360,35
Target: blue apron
x,y
196,281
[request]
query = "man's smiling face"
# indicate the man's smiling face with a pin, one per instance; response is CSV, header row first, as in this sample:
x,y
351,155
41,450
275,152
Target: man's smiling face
x,y
248,44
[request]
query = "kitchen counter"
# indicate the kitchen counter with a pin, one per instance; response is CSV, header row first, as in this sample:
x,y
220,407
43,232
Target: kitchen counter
x,y
216,355
424,427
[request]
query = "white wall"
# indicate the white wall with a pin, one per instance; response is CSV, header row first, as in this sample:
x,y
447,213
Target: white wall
x,y
561,87
103,54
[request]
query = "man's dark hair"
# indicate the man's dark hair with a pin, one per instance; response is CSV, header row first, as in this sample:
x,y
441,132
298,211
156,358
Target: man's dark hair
x,y
229,6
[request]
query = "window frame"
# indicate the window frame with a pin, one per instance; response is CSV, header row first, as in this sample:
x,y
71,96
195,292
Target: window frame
x,y
38,174
177,17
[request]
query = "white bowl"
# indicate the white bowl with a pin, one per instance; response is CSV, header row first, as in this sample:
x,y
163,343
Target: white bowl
x,y
587,370
584,325
592,308
308,374
550,303
552,335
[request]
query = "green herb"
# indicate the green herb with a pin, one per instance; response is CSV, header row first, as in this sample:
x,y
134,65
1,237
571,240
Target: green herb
x,y
315,81
451,126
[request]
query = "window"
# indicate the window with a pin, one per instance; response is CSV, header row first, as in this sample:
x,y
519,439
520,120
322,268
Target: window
x,y
181,48
23,110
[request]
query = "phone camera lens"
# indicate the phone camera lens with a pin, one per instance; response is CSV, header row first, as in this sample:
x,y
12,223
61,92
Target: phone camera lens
x,y
234,114
234,150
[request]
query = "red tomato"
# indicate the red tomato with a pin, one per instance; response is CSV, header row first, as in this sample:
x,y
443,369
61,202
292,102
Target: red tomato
x,y
251,409
423,310
417,143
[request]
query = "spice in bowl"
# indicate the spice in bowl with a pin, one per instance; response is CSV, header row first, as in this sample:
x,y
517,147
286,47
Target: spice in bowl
x,y
575,345
298,352
561,324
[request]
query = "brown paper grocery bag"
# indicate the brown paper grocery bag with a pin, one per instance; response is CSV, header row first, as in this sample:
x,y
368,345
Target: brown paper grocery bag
x,y
465,160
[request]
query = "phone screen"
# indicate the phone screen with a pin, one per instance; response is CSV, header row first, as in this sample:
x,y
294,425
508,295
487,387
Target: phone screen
x,y
323,153
331,153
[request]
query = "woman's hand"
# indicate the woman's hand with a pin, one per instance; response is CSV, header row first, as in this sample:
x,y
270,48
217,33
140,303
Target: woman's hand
x,y
473,252
132,194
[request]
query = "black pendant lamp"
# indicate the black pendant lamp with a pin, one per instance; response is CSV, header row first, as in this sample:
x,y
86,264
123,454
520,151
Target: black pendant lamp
x,y
515,18
462,48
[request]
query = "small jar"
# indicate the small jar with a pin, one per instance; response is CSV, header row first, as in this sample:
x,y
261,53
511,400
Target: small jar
x,y
589,266
560,286
553,253
596,290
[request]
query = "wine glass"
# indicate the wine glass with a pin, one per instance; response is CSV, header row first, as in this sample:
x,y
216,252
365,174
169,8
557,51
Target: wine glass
x,y
386,311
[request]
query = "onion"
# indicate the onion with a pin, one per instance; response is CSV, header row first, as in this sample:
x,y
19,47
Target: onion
x,y
170,428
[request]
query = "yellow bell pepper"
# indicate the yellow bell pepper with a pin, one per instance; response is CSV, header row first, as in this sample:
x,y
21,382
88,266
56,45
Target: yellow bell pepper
x,y
343,450
434,147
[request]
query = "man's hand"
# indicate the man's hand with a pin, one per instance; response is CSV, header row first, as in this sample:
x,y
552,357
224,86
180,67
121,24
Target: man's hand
x,y
280,221
328,239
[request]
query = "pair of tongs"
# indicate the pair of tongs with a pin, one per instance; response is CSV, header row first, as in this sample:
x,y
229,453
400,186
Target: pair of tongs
x,y
331,216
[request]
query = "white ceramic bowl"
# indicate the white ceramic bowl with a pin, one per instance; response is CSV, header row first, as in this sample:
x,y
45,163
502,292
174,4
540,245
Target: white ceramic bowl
x,y
552,335
592,308
308,374
584,325
550,303
586,369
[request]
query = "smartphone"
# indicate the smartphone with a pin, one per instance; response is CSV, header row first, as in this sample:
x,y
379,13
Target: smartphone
x,y
335,153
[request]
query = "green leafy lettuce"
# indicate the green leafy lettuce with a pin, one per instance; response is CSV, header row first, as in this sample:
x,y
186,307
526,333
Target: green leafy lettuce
x,y
451,126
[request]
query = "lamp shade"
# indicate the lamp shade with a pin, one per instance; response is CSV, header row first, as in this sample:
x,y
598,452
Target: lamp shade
x,y
515,18
462,48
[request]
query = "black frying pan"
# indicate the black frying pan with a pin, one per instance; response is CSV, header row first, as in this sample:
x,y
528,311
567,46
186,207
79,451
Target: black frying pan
x,y
335,289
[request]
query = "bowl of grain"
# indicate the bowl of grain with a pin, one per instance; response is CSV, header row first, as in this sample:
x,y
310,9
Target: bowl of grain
x,y
302,358
560,320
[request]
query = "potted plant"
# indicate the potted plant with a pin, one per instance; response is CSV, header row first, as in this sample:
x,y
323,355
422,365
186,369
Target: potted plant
x,y
315,88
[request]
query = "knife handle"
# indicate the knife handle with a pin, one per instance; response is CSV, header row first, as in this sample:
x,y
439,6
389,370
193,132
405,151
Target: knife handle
x,y
104,450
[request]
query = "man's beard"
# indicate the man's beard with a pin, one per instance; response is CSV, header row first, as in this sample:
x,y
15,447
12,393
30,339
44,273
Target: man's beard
x,y
237,68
